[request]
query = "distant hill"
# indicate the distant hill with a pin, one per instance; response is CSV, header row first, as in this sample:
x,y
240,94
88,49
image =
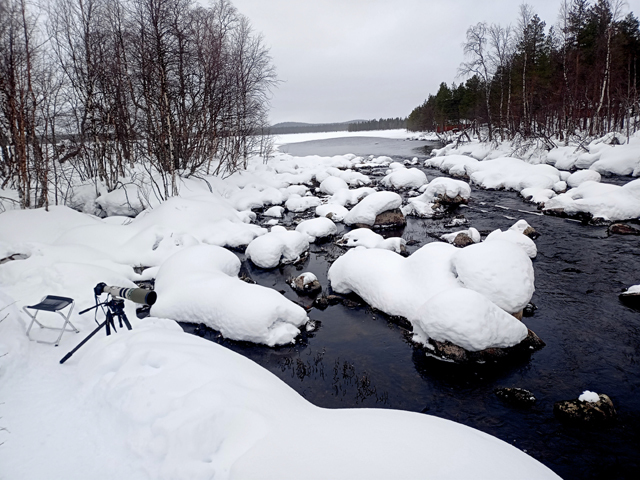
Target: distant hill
x,y
351,126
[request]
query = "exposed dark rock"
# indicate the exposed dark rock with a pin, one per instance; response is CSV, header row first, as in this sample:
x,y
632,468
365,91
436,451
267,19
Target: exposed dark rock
x,y
586,413
531,232
630,299
390,219
622,229
302,288
519,314
516,396
463,240
450,201
529,310
449,352
325,300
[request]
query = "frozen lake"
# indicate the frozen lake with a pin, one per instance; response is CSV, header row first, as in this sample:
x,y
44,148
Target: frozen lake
x,y
360,358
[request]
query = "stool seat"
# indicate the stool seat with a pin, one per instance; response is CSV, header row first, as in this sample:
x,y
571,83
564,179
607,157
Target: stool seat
x,y
54,304
51,303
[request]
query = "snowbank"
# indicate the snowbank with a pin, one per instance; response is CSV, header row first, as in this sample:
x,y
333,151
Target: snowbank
x,y
200,285
606,201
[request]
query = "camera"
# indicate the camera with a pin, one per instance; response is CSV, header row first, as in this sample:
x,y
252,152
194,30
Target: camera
x,y
137,295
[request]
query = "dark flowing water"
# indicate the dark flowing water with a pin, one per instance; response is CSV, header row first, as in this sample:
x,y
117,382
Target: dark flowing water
x,y
358,357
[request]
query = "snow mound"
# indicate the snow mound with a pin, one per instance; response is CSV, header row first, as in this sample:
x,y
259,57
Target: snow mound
x,y
499,270
588,396
404,178
371,206
317,228
467,319
443,187
516,238
364,237
606,201
331,185
581,176
471,233
200,285
298,204
215,413
279,245
350,197
338,212
274,212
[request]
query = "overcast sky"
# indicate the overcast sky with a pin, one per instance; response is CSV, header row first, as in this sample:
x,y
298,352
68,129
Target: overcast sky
x,y
342,60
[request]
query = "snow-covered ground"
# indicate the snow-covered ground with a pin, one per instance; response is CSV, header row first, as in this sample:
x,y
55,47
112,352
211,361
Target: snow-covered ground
x,y
157,403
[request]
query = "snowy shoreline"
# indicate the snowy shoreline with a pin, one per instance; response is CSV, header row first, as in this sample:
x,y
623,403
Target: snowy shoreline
x,y
177,403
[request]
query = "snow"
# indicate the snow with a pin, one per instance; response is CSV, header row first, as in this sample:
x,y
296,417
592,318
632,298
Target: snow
x,y
200,285
499,272
472,233
320,227
338,212
298,204
278,246
274,212
442,187
516,238
606,201
581,176
633,289
402,177
364,237
331,185
588,396
156,403
468,319
371,206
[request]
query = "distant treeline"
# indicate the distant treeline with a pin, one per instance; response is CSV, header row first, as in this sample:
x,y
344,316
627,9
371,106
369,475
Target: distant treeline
x,y
382,124
357,126
580,75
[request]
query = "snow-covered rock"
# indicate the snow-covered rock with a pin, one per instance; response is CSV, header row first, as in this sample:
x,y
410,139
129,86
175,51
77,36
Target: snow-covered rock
x,y
320,227
516,238
364,237
334,211
371,206
404,178
581,176
472,233
331,185
200,285
276,212
278,246
298,204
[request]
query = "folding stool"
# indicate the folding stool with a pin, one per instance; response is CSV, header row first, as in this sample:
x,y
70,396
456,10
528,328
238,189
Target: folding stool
x,y
52,303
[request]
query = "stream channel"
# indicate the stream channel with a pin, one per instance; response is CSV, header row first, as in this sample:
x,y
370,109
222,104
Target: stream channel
x,y
360,358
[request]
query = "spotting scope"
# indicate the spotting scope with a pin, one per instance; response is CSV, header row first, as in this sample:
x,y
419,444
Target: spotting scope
x,y
137,295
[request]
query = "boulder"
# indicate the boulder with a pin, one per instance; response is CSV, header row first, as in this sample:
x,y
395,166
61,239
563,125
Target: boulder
x,y
531,233
516,396
622,229
586,412
449,352
390,219
630,299
306,284
463,240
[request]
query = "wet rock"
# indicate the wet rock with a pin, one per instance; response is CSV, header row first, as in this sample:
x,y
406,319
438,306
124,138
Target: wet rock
x,y
457,222
325,300
390,219
447,351
305,284
462,240
529,310
622,229
518,315
586,413
451,201
516,396
531,232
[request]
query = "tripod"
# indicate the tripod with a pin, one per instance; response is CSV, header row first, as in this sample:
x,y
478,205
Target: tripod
x,y
115,307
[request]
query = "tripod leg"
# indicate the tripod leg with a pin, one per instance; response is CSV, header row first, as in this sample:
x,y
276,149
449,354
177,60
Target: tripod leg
x,y
110,323
126,321
68,355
